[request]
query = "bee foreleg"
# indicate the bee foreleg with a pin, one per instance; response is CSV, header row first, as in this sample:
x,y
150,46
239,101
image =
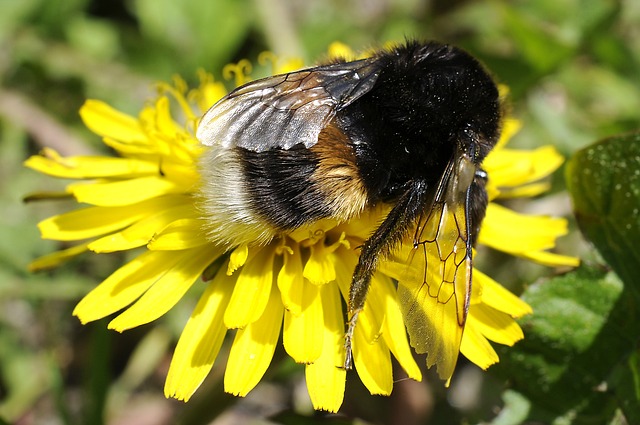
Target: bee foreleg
x,y
380,243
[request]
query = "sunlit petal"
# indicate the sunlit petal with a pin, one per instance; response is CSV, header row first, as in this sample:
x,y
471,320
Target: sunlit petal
x,y
253,348
124,286
255,278
302,336
200,341
166,291
105,121
326,376
125,192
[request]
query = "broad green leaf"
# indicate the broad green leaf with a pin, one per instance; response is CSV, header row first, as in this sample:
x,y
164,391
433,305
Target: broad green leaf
x,y
625,385
583,325
604,182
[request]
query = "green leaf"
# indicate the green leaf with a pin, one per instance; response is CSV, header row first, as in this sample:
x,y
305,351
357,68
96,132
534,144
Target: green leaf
x,y
626,387
204,34
604,182
542,50
583,325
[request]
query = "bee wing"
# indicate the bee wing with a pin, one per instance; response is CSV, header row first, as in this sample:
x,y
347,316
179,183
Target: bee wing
x,y
435,287
285,110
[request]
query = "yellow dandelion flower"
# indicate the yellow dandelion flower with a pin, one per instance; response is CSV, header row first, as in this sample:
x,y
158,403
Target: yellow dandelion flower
x,y
296,285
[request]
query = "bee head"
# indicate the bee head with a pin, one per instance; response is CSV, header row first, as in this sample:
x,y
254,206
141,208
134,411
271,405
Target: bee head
x,y
455,98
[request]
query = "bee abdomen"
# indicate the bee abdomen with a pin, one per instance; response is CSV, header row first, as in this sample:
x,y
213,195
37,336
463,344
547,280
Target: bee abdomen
x,y
251,197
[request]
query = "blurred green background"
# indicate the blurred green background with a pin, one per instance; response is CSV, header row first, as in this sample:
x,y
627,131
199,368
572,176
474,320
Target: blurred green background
x,y
574,74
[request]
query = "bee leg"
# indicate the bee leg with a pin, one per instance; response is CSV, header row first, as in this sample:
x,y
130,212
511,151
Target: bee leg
x,y
380,243
348,360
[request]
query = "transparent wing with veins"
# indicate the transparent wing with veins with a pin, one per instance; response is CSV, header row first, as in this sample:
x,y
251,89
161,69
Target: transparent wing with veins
x,y
285,110
435,287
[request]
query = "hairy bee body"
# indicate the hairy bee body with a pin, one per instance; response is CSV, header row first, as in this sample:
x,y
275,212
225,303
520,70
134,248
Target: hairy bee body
x,y
425,98
408,127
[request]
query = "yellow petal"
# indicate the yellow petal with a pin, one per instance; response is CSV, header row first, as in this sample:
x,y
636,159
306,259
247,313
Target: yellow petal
x,y
433,328
509,167
167,290
497,296
143,231
237,258
326,377
476,348
341,50
515,233
290,283
164,122
524,191
185,233
374,308
141,148
200,340
303,333
495,325
94,221
209,92
125,192
319,268
510,127
374,302
252,290
89,167
184,175
550,259
106,121
253,348
394,332
55,259
124,286
372,360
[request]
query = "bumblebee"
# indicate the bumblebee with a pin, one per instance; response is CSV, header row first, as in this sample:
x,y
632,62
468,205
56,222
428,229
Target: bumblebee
x,y
408,128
